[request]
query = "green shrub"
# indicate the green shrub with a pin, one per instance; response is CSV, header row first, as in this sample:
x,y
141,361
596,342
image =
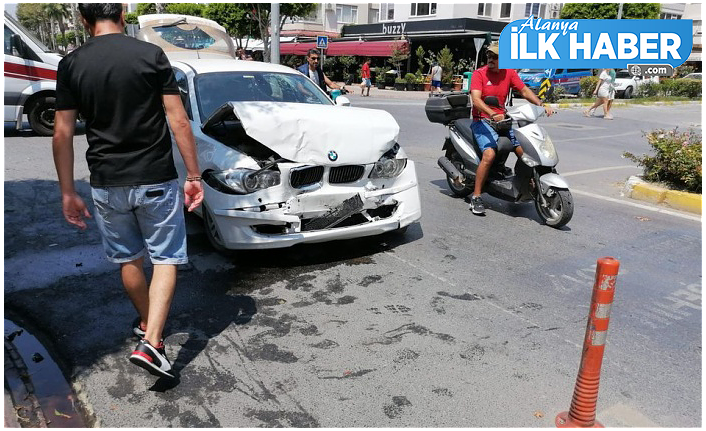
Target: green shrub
x,y
687,88
558,92
683,70
410,78
588,86
648,89
677,159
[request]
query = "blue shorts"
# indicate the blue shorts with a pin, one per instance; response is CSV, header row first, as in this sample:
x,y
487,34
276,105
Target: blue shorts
x,y
366,82
436,84
132,217
487,137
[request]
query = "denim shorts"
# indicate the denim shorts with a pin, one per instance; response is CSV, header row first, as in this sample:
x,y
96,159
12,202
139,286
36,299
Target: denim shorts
x,y
436,84
132,218
487,137
366,82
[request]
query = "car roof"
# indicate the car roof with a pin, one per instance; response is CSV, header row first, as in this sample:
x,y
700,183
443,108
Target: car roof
x,y
210,65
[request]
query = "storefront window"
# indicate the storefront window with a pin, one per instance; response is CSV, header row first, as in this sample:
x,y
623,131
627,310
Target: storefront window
x,y
347,14
387,11
421,9
484,9
505,9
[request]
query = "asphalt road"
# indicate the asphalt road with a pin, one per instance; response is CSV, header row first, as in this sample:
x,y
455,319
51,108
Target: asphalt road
x,y
463,322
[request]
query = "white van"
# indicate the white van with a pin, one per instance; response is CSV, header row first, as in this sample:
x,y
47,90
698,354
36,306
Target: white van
x,y
30,79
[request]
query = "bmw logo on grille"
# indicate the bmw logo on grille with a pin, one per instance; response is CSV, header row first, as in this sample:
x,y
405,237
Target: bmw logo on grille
x,y
333,156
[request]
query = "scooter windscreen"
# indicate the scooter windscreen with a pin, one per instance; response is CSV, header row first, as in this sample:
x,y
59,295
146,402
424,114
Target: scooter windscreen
x,y
528,112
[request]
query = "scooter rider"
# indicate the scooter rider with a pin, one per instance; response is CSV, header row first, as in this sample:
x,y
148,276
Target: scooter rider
x,y
491,81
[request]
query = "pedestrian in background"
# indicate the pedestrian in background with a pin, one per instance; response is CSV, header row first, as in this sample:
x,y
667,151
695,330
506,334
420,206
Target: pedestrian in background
x,y
122,87
605,93
365,74
435,73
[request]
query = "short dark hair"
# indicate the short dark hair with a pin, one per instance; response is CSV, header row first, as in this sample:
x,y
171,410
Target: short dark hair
x,y
93,12
313,51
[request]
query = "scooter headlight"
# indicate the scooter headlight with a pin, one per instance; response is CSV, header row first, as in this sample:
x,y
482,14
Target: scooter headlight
x,y
244,181
529,161
388,168
547,148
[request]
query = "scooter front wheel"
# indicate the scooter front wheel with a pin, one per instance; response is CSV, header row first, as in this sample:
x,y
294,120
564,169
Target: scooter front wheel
x,y
460,190
559,208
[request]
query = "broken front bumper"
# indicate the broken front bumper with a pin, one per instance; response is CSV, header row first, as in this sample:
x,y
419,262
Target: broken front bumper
x,y
330,212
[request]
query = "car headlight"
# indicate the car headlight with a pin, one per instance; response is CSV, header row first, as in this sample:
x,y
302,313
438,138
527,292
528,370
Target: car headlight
x,y
547,148
246,181
388,167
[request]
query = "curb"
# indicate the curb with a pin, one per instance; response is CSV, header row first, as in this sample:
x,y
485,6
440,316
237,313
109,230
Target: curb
x,y
637,188
619,103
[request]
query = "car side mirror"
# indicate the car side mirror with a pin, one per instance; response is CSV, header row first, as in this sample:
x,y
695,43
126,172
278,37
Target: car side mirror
x,y
342,101
18,45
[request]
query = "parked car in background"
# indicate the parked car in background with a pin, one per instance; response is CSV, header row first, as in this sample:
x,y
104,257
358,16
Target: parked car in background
x,y
30,79
693,76
569,79
626,84
282,163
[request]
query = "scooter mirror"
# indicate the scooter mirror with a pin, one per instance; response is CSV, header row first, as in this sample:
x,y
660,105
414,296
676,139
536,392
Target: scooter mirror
x,y
492,101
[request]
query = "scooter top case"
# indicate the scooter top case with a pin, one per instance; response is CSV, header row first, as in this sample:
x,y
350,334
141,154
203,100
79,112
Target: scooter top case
x,y
448,107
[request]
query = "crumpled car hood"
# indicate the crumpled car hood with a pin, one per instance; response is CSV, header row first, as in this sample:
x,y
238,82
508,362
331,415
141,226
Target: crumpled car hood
x,y
319,134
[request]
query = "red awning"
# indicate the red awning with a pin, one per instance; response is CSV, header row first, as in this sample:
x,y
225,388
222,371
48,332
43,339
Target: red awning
x,y
371,48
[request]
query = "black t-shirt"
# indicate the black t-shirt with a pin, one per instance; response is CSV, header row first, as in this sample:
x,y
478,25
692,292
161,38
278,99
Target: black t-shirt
x,y
116,82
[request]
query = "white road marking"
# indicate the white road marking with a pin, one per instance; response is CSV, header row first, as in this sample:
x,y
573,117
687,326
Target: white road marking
x,y
595,138
636,205
591,171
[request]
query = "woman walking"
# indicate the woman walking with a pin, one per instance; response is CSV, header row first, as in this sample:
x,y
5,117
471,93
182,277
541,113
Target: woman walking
x,y
605,93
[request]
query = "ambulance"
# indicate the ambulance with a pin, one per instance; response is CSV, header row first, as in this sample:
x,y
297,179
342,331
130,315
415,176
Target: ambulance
x,y
30,79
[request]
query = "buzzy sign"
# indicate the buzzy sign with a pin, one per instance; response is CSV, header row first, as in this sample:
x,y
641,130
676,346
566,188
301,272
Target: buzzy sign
x,y
602,43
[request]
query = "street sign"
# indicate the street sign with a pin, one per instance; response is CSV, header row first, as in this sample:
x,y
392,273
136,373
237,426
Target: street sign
x,y
322,42
544,89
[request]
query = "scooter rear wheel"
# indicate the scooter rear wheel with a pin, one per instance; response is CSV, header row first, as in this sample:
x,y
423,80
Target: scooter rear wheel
x,y
559,209
467,187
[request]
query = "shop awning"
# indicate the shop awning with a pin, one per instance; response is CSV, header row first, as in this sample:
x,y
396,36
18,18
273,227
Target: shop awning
x,y
378,48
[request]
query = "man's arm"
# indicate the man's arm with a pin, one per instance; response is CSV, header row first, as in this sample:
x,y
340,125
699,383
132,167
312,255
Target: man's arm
x,y
532,98
330,83
72,205
179,123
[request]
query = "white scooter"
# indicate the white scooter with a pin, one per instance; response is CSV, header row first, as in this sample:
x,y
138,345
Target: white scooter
x,y
535,177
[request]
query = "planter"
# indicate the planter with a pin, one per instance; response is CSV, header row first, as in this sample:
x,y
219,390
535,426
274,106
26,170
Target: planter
x,y
427,86
410,86
400,86
381,85
458,86
446,87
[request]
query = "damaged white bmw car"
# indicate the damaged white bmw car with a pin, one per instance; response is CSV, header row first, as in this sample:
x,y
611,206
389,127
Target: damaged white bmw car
x,y
281,163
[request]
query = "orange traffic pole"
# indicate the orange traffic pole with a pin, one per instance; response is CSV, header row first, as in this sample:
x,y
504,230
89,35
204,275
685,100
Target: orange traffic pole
x,y
582,413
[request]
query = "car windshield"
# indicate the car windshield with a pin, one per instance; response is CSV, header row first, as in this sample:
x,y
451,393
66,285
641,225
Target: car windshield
x,y
623,74
532,71
215,89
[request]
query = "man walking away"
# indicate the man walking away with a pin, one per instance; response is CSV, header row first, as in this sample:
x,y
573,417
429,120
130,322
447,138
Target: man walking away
x,y
435,72
365,74
122,88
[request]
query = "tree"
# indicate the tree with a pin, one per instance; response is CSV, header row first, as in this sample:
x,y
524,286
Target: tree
x,y
131,18
31,15
445,59
192,9
57,13
610,11
420,59
234,17
260,12
399,54
145,9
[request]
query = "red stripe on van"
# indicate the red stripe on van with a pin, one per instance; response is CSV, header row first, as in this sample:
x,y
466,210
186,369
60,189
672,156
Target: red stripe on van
x,y
25,77
31,71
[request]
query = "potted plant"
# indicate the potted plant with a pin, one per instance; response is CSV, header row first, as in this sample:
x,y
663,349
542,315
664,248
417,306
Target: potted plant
x,y
381,76
410,79
400,84
419,81
457,83
445,59
427,82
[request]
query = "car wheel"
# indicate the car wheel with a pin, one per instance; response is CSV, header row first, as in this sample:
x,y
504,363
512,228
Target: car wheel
x,y
628,93
212,232
41,116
